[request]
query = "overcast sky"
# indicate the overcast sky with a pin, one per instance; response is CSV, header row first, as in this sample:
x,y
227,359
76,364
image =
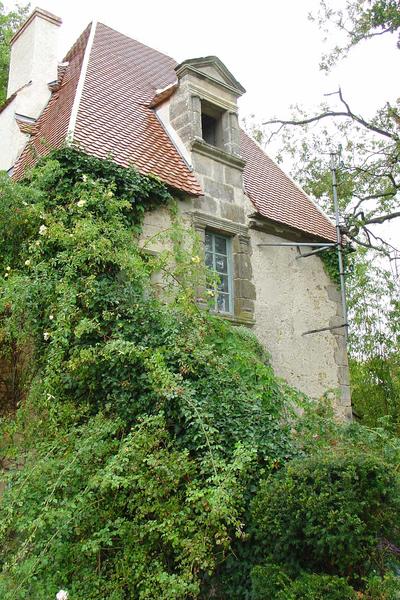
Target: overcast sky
x,y
270,46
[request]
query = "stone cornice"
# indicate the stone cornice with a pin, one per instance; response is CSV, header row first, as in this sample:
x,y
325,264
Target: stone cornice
x,y
205,220
260,223
194,67
201,147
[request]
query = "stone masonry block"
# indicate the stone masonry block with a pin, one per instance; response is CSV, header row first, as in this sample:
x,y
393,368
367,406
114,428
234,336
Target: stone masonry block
x,y
242,266
185,133
333,293
219,191
343,375
177,109
218,171
244,289
233,212
180,121
203,164
233,177
206,204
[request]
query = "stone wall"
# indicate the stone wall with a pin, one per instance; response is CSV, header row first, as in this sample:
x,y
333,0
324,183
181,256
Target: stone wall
x,y
279,296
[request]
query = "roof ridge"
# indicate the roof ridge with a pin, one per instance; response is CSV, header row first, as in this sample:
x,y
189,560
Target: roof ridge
x,y
81,81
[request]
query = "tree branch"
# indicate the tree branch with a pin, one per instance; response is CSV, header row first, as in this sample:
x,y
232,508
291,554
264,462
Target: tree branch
x,y
333,113
383,218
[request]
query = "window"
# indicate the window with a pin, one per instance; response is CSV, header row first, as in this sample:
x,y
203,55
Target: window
x,y
211,124
218,257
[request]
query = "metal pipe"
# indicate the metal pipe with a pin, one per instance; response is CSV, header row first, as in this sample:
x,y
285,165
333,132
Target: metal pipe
x,y
339,247
314,251
325,329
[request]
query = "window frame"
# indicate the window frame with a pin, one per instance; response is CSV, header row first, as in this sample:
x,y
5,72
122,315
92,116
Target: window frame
x,y
229,274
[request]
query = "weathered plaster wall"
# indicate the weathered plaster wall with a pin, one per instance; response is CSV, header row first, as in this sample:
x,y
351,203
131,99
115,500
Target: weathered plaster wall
x,y
33,65
34,58
294,296
12,141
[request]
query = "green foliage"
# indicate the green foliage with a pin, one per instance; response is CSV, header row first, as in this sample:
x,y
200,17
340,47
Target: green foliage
x,y
146,423
9,23
328,514
270,582
360,20
114,513
376,390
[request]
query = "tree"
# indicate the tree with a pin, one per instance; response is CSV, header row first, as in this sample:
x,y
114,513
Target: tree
x,y
9,23
361,20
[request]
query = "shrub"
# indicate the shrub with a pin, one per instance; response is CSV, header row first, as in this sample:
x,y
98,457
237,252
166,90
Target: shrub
x,y
270,582
108,513
328,513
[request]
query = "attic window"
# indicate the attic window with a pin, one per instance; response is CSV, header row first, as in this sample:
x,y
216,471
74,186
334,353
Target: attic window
x,y
211,124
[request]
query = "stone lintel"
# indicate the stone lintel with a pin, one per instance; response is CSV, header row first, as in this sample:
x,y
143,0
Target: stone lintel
x,y
204,221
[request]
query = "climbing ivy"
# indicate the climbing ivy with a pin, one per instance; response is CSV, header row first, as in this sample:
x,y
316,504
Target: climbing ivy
x,y
144,424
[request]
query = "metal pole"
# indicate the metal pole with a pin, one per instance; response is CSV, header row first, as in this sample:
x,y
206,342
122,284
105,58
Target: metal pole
x,y
339,247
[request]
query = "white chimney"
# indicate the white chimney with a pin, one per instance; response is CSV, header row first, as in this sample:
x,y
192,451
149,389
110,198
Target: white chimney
x,y
34,60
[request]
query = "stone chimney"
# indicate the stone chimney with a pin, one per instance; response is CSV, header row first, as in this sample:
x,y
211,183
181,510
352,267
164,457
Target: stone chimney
x,y
33,63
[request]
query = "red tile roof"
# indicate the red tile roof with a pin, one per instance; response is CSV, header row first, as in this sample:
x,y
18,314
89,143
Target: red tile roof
x,y
52,125
277,197
115,119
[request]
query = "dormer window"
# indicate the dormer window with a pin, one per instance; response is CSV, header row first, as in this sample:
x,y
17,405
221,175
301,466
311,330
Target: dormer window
x,y
203,110
211,124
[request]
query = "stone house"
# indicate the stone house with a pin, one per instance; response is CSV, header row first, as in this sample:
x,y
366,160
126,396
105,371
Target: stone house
x,y
113,96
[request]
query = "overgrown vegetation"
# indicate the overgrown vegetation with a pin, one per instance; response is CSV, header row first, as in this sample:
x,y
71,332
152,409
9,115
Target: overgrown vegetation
x,y
150,440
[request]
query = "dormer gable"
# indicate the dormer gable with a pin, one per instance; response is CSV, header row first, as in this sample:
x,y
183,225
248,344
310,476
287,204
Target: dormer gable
x,y
213,69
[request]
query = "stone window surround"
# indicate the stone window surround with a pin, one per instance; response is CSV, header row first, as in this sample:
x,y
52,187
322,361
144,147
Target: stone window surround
x,y
229,146
243,308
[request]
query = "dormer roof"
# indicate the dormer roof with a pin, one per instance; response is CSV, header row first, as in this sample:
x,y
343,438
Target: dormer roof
x,y
211,67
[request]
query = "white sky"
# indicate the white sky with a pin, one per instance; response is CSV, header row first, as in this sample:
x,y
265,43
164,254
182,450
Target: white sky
x,y
270,46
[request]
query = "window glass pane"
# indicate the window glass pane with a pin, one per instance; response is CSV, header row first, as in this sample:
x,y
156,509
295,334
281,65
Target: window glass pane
x,y
221,264
218,258
209,260
223,303
224,284
220,245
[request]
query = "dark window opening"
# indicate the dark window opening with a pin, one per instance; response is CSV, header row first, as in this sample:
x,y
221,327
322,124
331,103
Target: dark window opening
x,y
211,124
209,129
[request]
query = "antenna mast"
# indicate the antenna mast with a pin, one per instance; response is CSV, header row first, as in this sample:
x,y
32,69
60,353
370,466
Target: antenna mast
x,y
339,246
